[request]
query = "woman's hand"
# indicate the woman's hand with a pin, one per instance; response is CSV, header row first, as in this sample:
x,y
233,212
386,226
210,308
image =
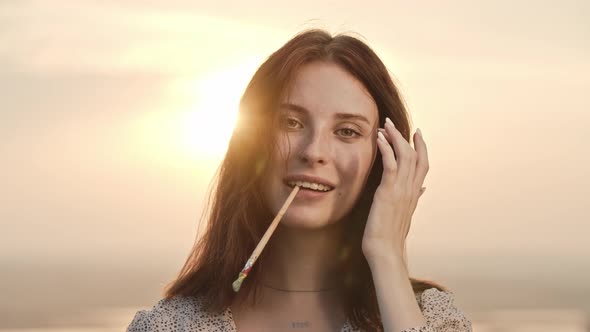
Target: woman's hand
x,y
396,197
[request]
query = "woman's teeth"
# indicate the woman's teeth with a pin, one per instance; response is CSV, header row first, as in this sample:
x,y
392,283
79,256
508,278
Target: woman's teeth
x,y
310,185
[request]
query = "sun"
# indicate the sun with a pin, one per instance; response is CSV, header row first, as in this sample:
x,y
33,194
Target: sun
x,y
206,126
196,124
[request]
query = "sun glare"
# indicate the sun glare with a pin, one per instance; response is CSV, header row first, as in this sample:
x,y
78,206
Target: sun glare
x,y
198,123
208,124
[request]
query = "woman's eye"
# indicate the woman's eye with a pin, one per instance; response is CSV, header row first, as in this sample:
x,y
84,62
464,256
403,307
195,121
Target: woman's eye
x,y
291,123
348,132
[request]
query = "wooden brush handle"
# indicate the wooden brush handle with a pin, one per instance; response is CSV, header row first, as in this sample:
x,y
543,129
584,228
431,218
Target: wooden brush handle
x,y
256,253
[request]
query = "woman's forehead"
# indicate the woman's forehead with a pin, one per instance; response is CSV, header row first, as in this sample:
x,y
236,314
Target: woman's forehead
x,y
322,88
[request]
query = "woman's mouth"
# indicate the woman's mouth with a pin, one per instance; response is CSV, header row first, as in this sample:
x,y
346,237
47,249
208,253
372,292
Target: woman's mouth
x,y
310,190
310,186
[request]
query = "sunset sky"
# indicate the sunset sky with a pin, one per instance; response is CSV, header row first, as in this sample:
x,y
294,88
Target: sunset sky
x,y
113,118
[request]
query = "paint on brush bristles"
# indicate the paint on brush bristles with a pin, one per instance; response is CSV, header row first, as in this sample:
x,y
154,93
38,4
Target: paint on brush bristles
x,y
243,274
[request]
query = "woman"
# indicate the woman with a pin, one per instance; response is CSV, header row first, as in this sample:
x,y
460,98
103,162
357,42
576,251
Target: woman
x,y
321,113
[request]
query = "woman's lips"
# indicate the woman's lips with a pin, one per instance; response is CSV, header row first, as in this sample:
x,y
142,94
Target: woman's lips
x,y
309,194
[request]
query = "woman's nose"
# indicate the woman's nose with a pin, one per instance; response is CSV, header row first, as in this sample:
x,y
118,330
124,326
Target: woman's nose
x,y
314,149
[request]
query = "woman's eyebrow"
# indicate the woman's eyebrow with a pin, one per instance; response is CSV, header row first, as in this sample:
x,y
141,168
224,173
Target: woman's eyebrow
x,y
342,116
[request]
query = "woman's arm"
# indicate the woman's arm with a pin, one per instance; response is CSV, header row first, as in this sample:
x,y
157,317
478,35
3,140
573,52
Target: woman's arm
x,y
400,312
397,301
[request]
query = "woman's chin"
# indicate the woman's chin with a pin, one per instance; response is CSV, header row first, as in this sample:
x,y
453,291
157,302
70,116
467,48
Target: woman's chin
x,y
302,220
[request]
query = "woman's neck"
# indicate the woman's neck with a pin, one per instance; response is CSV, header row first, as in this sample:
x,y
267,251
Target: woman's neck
x,y
302,259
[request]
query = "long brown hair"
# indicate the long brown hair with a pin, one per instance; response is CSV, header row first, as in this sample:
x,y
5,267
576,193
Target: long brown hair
x,y
237,216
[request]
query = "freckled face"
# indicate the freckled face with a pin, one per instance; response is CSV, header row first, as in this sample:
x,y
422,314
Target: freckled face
x,y
329,121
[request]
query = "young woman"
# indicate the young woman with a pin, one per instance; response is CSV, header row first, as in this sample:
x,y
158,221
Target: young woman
x,y
321,113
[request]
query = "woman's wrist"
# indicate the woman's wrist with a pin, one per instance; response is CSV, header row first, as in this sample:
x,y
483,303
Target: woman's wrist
x,y
384,255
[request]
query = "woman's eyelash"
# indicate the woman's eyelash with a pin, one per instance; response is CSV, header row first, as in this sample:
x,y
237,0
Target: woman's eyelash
x,y
288,121
356,133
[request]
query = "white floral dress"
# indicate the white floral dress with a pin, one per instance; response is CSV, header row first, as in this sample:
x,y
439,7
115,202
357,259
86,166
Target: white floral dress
x,y
184,314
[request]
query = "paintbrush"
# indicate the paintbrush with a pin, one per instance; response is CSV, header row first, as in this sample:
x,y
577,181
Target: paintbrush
x,y
256,253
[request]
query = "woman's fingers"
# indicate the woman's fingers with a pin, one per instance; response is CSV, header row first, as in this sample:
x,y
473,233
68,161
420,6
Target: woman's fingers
x,y
389,162
417,165
388,138
406,156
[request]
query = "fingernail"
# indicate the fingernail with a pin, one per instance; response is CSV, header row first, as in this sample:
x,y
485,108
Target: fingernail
x,y
390,122
380,135
419,132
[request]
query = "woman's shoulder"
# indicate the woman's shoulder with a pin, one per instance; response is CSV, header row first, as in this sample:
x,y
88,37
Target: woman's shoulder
x,y
440,311
435,296
178,314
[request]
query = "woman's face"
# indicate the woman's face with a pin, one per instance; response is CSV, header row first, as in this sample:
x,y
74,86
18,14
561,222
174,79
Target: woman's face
x,y
329,121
